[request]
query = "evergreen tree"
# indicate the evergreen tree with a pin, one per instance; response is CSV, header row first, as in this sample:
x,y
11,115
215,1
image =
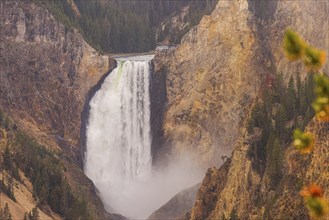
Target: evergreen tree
x,y
124,26
280,122
5,213
233,215
274,163
290,99
34,214
7,163
299,94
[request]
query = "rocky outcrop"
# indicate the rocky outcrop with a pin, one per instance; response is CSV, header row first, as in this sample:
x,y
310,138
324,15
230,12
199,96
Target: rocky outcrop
x,y
158,100
25,202
178,206
245,191
47,70
214,75
172,29
210,82
213,182
212,79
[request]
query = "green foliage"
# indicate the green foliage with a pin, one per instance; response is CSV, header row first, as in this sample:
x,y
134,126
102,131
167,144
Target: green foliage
x,y
60,9
317,206
293,45
195,14
4,121
313,59
304,142
321,103
6,159
233,215
124,26
281,109
8,188
45,171
291,99
274,163
115,30
9,165
34,214
259,119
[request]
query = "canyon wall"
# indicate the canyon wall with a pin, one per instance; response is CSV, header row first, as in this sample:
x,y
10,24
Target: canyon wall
x,y
212,79
215,74
47,70
238,188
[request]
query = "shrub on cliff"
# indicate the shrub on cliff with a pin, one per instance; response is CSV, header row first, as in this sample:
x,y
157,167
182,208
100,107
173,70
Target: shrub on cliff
x,y
297,49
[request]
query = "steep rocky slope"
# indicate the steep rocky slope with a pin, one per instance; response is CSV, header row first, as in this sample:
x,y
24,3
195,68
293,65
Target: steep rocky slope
x,y
248,193
47,70
212,79
214,75
178,206
25,202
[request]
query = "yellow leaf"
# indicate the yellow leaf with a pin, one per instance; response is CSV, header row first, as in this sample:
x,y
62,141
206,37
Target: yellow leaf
x,y
314,58
293,45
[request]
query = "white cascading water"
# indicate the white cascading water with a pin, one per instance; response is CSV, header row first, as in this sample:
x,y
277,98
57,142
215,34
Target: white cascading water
x,y
118,157
119,129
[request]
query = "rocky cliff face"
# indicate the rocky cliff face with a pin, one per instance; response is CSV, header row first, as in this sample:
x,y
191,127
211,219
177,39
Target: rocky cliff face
x,y
245,191
215,73
212,79
47,70
178,206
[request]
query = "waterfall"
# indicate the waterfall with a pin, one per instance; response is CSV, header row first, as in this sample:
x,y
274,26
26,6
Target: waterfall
x,y
118,133
118,157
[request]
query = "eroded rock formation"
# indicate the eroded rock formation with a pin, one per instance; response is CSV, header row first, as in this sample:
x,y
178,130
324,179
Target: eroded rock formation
x,y
47,70
213,77
215,74
248,193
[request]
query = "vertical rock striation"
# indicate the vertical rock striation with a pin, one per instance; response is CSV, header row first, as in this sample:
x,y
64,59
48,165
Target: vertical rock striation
x,y
209,83
215,73
245,191
213,77
47,70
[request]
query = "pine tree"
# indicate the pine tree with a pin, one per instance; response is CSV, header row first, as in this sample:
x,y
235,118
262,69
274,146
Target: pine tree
x,y
34,214
280,121
274,163
234,215
299,93
7,163
290,99
26,216
5,213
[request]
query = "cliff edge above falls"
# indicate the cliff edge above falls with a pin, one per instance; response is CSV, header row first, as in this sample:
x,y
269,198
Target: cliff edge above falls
x,y
214,75
47,70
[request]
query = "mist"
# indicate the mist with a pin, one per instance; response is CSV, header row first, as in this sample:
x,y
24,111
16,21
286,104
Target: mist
x,y
118,156
141,197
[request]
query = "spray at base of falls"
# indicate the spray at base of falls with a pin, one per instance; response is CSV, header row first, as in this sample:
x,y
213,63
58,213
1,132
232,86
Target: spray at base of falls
x,y
118,157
